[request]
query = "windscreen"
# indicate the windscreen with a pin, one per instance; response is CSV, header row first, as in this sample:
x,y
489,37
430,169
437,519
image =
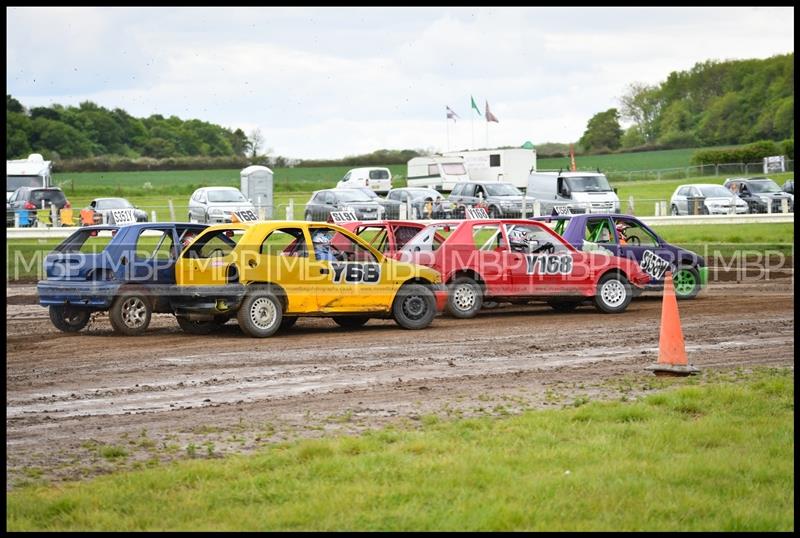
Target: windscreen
x,y
15,182
588,184
378,174
113,203
227,195
765,185
715,191
353,196
48,195
502,189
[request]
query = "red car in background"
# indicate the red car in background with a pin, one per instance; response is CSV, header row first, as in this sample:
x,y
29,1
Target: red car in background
x,y
515,260
387,236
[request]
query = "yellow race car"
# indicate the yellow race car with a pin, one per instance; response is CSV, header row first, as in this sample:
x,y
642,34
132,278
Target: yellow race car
x,y
269,273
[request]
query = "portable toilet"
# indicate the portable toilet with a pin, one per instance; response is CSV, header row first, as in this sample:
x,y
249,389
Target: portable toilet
x,y
257,187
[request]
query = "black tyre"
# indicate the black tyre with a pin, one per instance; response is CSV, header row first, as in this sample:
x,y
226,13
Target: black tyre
x,y
261,313
201,327
464,298
288,322
414,306
350,322
130,313
495,213
68,318
674,210
614,293
564,306
687,282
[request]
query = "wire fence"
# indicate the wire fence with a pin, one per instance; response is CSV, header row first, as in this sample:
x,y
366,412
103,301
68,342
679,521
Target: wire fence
x,y
703,170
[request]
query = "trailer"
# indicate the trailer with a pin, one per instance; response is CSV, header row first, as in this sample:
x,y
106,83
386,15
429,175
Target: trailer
x,y
511,165
438,172
31,172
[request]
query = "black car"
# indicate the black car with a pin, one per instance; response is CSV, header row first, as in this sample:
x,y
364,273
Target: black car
x,y
502,200
759,193
788,186
425,203
31,199
391,208
321,204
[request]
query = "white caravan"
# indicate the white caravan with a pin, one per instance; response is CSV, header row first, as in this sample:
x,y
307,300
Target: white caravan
x,y
31,172
436,172
506,165
581,192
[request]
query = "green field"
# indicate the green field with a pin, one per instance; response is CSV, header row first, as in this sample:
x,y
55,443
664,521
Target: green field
x,y
710,455
645,160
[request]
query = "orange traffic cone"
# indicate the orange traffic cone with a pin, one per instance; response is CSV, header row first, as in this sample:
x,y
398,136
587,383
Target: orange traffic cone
x,y
671,348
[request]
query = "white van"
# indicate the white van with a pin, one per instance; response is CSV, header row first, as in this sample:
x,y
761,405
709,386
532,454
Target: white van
x,y
581,192
31,172
436,172
377,179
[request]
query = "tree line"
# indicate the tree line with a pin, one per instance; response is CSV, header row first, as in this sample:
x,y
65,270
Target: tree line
x,y
714,103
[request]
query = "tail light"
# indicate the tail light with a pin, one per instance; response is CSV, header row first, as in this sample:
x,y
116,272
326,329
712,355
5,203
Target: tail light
x,y
29,205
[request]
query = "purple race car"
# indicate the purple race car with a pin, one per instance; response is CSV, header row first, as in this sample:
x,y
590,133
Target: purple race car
x,y
628,237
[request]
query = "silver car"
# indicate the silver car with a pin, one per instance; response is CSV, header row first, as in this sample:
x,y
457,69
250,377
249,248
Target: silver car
x,y
214,205
716,200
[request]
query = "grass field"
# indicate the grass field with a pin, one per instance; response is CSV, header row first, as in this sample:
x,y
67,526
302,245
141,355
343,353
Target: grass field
x,y
700,456
25,256
645,160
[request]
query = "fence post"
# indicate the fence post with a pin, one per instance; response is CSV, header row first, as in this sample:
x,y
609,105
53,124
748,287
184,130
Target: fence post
x,y
171,210
16,219
716,169
153,215
663,207
54,216
784,205
403,211
630,205
290,210
537,208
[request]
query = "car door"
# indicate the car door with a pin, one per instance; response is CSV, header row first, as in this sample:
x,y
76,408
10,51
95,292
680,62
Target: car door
x,y
633,241
545,268
153,258
283,257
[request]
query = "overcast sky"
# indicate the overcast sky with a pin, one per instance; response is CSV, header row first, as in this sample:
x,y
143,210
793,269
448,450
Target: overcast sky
x,y
330,82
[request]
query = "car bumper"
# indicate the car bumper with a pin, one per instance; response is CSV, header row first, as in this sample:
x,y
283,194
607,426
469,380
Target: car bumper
x,y
703,272
96,295
207,300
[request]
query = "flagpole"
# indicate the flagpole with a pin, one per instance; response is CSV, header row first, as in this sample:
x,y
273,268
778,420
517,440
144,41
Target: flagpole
x,y
472,123
487,133
447,121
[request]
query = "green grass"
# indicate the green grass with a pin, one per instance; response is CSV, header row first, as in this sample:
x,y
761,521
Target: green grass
x,y
702,457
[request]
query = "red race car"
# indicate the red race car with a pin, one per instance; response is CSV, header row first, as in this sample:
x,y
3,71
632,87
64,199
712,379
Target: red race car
x,y
387,236
517,261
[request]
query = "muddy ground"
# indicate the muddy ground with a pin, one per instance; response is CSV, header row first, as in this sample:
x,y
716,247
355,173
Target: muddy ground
x,y
86,404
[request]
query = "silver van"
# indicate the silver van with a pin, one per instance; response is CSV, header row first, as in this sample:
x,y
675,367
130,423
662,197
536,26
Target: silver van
x,y
581,192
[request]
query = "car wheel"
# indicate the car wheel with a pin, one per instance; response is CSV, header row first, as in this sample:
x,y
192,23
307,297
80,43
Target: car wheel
x,y
130,313
614,293
350,322
261,313
201,327
69,319
563,306
288,322
687,282
414,306
495,213
464,298
192,219
674,211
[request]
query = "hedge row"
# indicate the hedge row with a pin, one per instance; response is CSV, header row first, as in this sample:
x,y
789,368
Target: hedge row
x,y
746,154
143,164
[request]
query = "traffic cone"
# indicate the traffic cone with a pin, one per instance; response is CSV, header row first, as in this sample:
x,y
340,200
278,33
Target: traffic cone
x,y
671,348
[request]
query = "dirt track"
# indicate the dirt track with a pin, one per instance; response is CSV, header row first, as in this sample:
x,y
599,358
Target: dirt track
x,y
160,394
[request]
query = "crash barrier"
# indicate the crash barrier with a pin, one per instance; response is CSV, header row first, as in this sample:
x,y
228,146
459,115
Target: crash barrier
x,y
672,360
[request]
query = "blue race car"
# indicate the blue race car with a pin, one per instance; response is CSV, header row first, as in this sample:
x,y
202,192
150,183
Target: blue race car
x,y
127,270
628,237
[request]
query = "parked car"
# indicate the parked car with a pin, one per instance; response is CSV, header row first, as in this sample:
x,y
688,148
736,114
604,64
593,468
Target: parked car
x,y
759,193
374,178
322,202
391,208
516,260
425,203
104,207
268,274
628,237
215,204
501,200
32,199
128,271
788,186
716,200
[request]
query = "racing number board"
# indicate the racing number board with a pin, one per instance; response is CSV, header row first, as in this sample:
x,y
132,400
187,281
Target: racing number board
x,y
343,216
245,216
356,273
123,216
549,264
477,213
654,265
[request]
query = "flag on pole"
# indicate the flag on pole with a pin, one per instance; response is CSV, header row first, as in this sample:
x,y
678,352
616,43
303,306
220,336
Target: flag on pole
x,y
451,115
489,115
475,106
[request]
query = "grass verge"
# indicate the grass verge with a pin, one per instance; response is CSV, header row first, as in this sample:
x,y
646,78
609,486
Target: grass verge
x,y
698,457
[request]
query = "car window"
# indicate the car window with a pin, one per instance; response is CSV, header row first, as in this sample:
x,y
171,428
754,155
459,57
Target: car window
x,y
535,238
457,190
154,245
683,191
379,174
428,239
86,242
339,246
285,242
468,190
376,236
225,196
346,176
598,231
632,233
487,237
215,244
